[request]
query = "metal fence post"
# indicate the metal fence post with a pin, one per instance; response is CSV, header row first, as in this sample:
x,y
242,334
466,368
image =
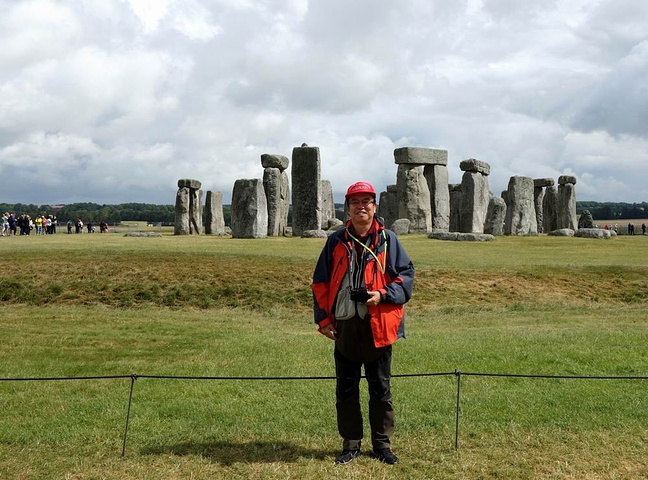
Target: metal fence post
x,y
458,375
130,402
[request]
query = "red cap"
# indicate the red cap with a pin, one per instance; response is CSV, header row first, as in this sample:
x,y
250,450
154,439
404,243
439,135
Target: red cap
x,y
360,187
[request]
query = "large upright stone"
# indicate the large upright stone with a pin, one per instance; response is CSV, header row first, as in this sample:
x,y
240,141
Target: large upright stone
x,y
388,205
249,209
538,196
307,189
214,219
181,226
328,204
475,196
413,198
195,211
420,156
437,180
550,209
495,216
566,209
520,210
455,206
272,189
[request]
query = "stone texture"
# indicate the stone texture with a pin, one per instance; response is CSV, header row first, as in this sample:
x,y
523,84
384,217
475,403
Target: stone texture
x,y
543,182
420,156
274,161
328,204
455,206
334,224
461,237
189,183
195,212
214,219
475,196
314,234
272,178
565,179
401,226
388,205
181,226
472,165
414,198
143,234
437,180
538,196
520,209
307,189
495,216
566,206
249,209
562,232
550,209
585,220
593,233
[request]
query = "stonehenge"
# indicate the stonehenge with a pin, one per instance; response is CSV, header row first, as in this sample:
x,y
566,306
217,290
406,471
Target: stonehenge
x,y
188,208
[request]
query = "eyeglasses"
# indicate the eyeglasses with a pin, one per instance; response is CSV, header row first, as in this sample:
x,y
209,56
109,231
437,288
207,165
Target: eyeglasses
x,y
357,203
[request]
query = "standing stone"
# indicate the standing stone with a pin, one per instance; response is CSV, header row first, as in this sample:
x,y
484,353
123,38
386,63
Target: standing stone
x,y
475,196
195,211
437,180
214,219
538,196
272,189
249,209
284,203
550,209
181,226
307,189
388,206
328,204
520,210
586,220
414,198
566,210
455,206
495,216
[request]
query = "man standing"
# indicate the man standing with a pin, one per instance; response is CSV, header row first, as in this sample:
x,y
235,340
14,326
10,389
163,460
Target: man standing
x,y
362,280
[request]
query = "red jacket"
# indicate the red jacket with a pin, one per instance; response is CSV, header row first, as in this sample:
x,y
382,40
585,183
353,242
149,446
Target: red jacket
x,y
394,283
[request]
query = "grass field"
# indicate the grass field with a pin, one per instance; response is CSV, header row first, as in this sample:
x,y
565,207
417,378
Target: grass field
x,y
85,305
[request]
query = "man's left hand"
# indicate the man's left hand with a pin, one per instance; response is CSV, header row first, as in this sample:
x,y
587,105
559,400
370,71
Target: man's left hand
x,y
374,298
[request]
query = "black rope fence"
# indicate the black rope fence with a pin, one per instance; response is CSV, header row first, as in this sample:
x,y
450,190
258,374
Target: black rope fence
x,y
457,373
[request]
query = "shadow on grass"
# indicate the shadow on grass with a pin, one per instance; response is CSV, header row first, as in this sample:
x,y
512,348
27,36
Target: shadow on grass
x,y
227,453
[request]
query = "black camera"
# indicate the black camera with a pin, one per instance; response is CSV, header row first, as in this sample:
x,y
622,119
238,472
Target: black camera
x,y
359,295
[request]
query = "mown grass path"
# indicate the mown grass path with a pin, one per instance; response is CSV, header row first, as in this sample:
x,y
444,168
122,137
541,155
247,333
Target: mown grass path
x,y
78,305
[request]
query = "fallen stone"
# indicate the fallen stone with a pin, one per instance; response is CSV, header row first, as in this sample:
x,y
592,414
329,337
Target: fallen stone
x,y
314,234
401,226
274,161
543,182
143,234
472,165
334,224
593,233
420,156
586,220
565,179
189,183
562,232
461,237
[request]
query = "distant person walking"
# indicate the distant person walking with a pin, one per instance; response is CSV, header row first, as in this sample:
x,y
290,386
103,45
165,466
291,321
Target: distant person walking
x,y
4,222
69,227
643,228
362,280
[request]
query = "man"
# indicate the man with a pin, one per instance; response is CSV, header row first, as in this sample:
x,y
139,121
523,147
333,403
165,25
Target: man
x,y
361,281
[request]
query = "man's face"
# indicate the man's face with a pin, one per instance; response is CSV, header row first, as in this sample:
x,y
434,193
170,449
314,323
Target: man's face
x,y
362,207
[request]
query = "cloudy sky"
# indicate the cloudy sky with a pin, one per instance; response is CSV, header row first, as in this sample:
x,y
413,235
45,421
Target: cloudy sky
x,y
113,101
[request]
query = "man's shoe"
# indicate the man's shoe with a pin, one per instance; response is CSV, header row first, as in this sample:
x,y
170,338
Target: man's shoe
x,y
347,456
385,455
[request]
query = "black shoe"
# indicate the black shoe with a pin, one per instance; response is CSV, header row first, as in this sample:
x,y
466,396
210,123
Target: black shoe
x,y
347,456
385,455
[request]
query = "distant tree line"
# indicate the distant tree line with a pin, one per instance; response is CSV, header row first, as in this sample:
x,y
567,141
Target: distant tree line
x,y
613,210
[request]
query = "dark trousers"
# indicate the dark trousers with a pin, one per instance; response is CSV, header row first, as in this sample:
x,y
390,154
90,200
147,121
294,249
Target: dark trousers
x,y
347,392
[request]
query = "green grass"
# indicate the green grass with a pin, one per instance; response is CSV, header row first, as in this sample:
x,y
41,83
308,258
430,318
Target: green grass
x,y
518,305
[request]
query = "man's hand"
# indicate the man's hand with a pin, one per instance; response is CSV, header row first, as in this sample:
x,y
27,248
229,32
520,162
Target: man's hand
x,y
374,298
329,331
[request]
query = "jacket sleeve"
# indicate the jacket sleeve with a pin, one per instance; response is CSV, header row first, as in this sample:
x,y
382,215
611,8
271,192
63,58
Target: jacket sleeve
x,y
321,286
401,269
